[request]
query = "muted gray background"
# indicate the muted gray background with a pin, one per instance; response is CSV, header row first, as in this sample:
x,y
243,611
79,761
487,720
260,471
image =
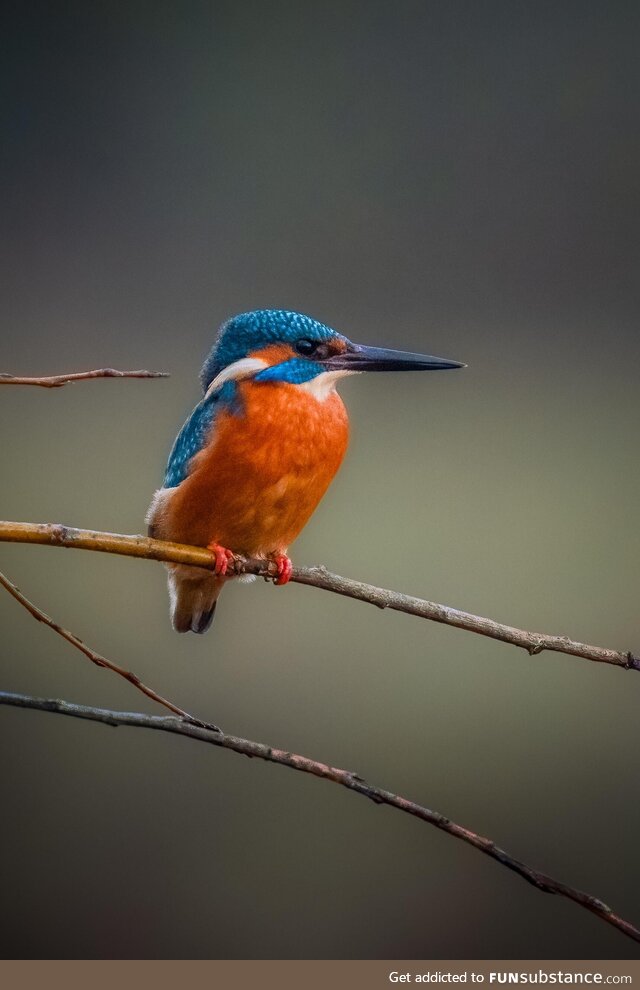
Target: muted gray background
x,y
460,178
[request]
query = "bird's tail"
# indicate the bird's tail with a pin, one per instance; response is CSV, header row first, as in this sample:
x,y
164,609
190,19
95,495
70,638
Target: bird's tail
x,y
193,594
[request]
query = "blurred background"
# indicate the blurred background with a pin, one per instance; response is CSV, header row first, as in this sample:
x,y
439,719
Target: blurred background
x,y
459,178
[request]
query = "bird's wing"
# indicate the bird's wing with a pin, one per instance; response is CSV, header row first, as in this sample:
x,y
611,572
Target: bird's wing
x,y
191,439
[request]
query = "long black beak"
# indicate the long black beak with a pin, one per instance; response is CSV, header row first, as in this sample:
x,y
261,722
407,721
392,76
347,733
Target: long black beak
x,y
358,357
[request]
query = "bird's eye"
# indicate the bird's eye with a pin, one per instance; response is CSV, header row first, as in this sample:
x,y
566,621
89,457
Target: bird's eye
x,y
305,346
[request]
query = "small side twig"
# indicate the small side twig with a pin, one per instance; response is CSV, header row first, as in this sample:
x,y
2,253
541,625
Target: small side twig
x,y
96,658
345,778
57,381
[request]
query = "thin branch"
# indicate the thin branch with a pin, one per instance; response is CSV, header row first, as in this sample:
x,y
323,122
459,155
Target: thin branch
x,y
96,658
51,534
57,381
346,778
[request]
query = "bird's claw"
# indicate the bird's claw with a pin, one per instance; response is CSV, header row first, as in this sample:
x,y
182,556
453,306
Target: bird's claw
x,y
223,558
284,567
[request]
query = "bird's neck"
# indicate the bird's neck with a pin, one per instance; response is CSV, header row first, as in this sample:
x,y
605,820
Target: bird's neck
x,y
323,386
299,411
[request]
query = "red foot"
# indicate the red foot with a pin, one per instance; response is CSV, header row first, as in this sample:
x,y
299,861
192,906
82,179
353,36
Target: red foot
x,y
285,568
223,558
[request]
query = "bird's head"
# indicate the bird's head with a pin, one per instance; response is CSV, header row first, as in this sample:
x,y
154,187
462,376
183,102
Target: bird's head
x,y
273,345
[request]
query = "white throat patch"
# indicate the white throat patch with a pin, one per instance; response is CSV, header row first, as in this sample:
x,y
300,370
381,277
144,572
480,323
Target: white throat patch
x,y
245,368
322,386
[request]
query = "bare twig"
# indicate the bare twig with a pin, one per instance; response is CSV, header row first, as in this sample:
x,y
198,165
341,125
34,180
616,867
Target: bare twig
x,y
57,381
51,534
344,777
96,658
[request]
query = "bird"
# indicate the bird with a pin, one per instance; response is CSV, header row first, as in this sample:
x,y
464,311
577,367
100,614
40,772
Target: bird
x,y
258,452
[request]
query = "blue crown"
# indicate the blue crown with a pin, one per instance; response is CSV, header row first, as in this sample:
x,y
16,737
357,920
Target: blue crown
x,y
249,332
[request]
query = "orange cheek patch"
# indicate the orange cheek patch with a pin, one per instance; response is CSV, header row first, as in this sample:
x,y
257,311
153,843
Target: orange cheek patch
x,y
337,345
274,354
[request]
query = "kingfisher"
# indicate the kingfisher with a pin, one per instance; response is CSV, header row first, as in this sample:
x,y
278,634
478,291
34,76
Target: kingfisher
x,y
258,452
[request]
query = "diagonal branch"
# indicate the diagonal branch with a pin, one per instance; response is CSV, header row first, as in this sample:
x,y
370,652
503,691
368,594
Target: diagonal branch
x,y
56,381
346,778
51,534
96,658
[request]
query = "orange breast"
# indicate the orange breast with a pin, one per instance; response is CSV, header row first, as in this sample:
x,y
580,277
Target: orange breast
x,y
257,482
